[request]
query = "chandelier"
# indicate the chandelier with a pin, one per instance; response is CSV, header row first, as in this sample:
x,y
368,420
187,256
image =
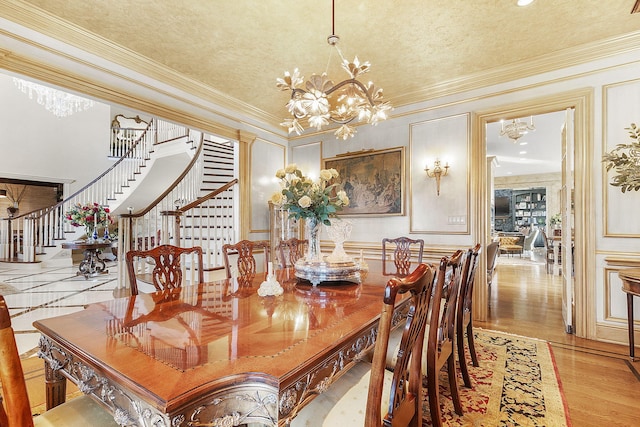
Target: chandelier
x,y
320,101
516,129
61,104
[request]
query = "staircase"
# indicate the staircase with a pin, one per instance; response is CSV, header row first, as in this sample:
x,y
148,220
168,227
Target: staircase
x,y
139,189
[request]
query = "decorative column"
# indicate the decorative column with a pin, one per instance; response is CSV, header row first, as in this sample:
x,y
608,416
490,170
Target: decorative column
x,y
245,140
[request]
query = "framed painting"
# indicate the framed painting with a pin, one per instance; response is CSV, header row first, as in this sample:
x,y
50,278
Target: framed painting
x,y
373,181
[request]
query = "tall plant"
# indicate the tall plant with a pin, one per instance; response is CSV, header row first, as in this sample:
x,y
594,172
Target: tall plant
x,y
625,161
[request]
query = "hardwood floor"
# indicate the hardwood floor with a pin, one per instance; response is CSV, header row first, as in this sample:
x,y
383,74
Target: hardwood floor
x,y
601,385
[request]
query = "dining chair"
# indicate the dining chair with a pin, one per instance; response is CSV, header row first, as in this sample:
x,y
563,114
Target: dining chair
x,y
439,341
167,266
246,262
548,248
290,251
15,411
394,397
464,315
402,251
492,256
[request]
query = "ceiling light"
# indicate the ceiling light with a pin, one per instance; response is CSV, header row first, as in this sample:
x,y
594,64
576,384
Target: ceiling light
x,y
516,129
523,152
60,104
524,2
320,101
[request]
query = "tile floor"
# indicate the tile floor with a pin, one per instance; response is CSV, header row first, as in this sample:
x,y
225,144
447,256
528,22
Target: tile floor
x,y
49,292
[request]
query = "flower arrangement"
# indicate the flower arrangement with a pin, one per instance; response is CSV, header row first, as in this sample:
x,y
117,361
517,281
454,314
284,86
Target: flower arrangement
x,y
625,160
304,198
556,219
90,215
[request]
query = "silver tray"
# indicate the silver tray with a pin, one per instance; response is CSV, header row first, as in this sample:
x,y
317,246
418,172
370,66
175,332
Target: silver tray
x,y
324,271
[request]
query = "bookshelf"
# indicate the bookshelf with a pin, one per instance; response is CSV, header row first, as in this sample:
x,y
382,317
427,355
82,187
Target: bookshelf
x,y
530,207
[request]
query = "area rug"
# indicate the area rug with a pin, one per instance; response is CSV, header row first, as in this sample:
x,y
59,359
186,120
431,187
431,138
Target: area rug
x,y
516,384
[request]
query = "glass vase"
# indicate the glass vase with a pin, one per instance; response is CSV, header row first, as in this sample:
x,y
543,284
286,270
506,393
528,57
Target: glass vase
x,y
89,232
313,235
339,231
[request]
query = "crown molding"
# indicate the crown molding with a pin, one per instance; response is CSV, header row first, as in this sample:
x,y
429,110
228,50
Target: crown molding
x,y
38,20
543,64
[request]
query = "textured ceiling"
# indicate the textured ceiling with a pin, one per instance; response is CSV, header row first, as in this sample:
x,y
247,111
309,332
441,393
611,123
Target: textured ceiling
x,y
240,47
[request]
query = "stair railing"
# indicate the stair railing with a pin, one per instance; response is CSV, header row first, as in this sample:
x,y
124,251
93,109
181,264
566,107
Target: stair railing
x,y
31,232
150,227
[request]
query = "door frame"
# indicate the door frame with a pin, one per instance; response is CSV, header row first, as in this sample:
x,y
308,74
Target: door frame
x,y
582,103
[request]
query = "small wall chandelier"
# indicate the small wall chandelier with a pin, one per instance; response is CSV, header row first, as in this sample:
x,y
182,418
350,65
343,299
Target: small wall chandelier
x,y
516,129
438,171
321,101
60,104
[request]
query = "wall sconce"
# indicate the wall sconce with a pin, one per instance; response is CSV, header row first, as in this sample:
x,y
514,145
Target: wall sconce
x,y
437,172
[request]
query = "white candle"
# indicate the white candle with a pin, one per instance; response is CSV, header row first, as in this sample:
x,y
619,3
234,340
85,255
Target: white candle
x,y
95,221
270,269
361,255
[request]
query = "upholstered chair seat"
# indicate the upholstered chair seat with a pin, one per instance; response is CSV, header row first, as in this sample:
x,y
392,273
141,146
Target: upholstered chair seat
x,y
81,411
345,401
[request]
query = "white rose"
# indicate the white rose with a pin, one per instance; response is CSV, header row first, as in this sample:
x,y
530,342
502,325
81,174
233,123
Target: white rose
x,y
304,202
291,168
277,198
344,199
325,175
334,173
280,173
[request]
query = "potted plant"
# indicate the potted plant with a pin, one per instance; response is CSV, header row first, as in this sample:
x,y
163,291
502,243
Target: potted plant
x,y
625,161
556,221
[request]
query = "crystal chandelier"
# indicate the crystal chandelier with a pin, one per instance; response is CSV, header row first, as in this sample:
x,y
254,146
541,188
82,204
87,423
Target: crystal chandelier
x,y
516,129
61,104
321,101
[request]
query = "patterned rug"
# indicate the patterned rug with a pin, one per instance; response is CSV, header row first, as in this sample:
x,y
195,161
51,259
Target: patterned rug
x,y
516,384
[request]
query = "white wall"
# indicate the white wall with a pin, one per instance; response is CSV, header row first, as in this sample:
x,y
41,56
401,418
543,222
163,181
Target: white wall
x,y
37,145
613,109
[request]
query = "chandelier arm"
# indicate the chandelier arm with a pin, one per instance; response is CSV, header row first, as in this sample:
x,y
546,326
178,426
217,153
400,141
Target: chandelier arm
x,y
357,83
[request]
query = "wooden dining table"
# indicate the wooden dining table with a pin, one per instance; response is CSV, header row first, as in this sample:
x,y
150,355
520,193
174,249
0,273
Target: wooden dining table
x,y
214,354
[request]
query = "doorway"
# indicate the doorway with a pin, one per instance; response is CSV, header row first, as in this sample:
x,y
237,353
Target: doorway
x,y
580,103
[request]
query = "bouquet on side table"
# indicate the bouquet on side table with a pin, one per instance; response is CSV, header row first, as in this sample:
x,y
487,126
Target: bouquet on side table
x,y
90,216
315,201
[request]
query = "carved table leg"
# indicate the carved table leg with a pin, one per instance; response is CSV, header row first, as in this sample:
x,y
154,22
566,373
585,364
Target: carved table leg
x,y
56,386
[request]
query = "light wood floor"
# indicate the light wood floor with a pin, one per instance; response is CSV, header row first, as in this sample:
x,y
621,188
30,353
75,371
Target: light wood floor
x,y
601,385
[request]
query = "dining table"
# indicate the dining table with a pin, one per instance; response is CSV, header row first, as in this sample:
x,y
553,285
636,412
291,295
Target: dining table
x,y
215,353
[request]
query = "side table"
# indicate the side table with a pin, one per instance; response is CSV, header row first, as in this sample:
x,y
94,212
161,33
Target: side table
x,y
92,264
631,286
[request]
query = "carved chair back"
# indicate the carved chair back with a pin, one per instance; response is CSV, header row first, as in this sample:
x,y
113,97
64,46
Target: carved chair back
x,y
167,265
464,315
246,262
440,345
290,251
405,404
402,248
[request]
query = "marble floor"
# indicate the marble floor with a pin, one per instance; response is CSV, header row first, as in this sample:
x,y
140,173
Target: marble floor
x,y
48,292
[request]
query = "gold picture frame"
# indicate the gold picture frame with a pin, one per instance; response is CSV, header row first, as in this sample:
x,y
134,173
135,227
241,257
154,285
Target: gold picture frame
x,y
373,180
